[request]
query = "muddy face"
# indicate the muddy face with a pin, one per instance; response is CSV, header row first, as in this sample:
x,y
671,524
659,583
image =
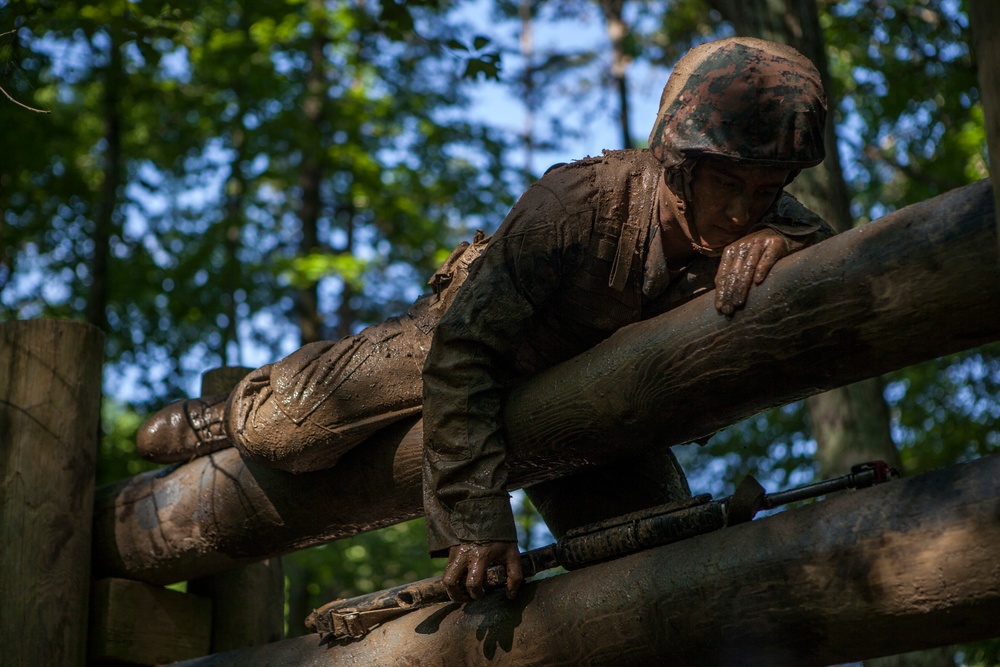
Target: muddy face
x,y
728,199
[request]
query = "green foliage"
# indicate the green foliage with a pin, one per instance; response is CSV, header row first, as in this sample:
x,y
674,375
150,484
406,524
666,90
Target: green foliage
x,y
774,446
220,112
310,269
905,73
362,564
211,109
980,654
390,557
687,23
117,456
208,118
947,410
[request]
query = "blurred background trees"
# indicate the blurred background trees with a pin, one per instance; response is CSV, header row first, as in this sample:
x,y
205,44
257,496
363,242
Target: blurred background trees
x,y
216,183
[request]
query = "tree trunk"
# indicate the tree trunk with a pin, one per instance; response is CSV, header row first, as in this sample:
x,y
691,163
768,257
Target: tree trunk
x,y
984,17
97,298
231,274
910,564
526,43
919,283
311,179
620,59
50,400
849,423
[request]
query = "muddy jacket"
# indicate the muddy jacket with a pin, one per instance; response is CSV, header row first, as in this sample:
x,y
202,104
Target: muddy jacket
x,y
577,258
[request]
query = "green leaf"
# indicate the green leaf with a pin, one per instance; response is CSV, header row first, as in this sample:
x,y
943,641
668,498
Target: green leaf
x,y
486,65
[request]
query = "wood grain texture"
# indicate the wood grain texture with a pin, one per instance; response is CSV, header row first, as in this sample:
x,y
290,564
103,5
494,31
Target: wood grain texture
x,y
136,623
920,283
907,565
248,604
50,390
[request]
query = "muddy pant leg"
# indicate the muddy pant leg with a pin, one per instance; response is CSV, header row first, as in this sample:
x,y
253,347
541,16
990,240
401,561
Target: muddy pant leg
x,y
653,478
305,411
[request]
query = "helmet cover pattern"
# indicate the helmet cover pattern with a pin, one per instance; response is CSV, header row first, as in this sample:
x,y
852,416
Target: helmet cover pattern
x,y
745,99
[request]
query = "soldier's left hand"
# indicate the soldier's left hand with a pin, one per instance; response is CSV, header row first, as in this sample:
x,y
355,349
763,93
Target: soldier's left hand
x,y
744,262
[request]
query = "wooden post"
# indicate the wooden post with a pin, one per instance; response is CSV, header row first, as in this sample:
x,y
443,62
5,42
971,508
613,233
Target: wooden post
x,y
919,283
50,400
908,565
135,623
248,603
984,17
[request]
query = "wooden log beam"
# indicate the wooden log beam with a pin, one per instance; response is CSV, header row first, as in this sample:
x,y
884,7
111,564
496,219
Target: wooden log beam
x,y
917,284
904,566
50,398
248,603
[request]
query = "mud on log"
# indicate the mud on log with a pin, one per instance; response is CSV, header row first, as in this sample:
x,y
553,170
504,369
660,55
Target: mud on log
x,y
917,284
903,566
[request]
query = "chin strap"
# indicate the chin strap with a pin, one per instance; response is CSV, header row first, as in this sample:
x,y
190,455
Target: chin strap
x,y
678,180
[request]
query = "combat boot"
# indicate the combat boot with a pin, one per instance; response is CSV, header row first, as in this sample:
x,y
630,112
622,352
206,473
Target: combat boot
x,y
183,430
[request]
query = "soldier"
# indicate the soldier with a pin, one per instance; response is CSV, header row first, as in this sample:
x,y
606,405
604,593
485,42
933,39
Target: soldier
x,y
592,246
596,245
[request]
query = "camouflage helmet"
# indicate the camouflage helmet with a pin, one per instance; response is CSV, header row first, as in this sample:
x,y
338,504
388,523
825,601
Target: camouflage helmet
x,y
745,99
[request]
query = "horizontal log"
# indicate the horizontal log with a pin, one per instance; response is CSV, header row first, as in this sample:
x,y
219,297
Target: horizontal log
x,y
919,283
904,566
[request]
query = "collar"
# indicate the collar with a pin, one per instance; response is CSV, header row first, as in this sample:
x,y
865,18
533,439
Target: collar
x,y
656,273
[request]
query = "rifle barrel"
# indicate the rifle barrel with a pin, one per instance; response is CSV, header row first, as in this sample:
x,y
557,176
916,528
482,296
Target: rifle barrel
x,y
860,477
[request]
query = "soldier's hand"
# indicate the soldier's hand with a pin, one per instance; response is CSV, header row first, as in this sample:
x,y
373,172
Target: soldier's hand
x,y
744,262
465,574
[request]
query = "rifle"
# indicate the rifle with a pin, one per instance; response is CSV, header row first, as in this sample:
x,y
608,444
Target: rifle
x,y
590,544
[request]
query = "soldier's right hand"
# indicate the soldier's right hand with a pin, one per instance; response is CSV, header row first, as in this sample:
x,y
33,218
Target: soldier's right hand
x,y
746,262
465,575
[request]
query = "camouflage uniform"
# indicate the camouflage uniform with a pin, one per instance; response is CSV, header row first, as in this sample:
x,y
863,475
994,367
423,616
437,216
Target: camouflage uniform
x,y
580,256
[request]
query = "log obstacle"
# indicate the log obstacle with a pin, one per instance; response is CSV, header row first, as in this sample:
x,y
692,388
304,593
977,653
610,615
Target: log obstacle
x,y
919,283
903,566
50,392
133,622
248,603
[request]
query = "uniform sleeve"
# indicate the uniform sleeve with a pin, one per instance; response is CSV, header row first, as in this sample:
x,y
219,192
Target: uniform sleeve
x,y
471,360
791,218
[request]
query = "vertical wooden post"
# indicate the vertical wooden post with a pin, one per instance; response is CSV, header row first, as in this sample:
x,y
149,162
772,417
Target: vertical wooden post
x,y
247,603
50,397
984,18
